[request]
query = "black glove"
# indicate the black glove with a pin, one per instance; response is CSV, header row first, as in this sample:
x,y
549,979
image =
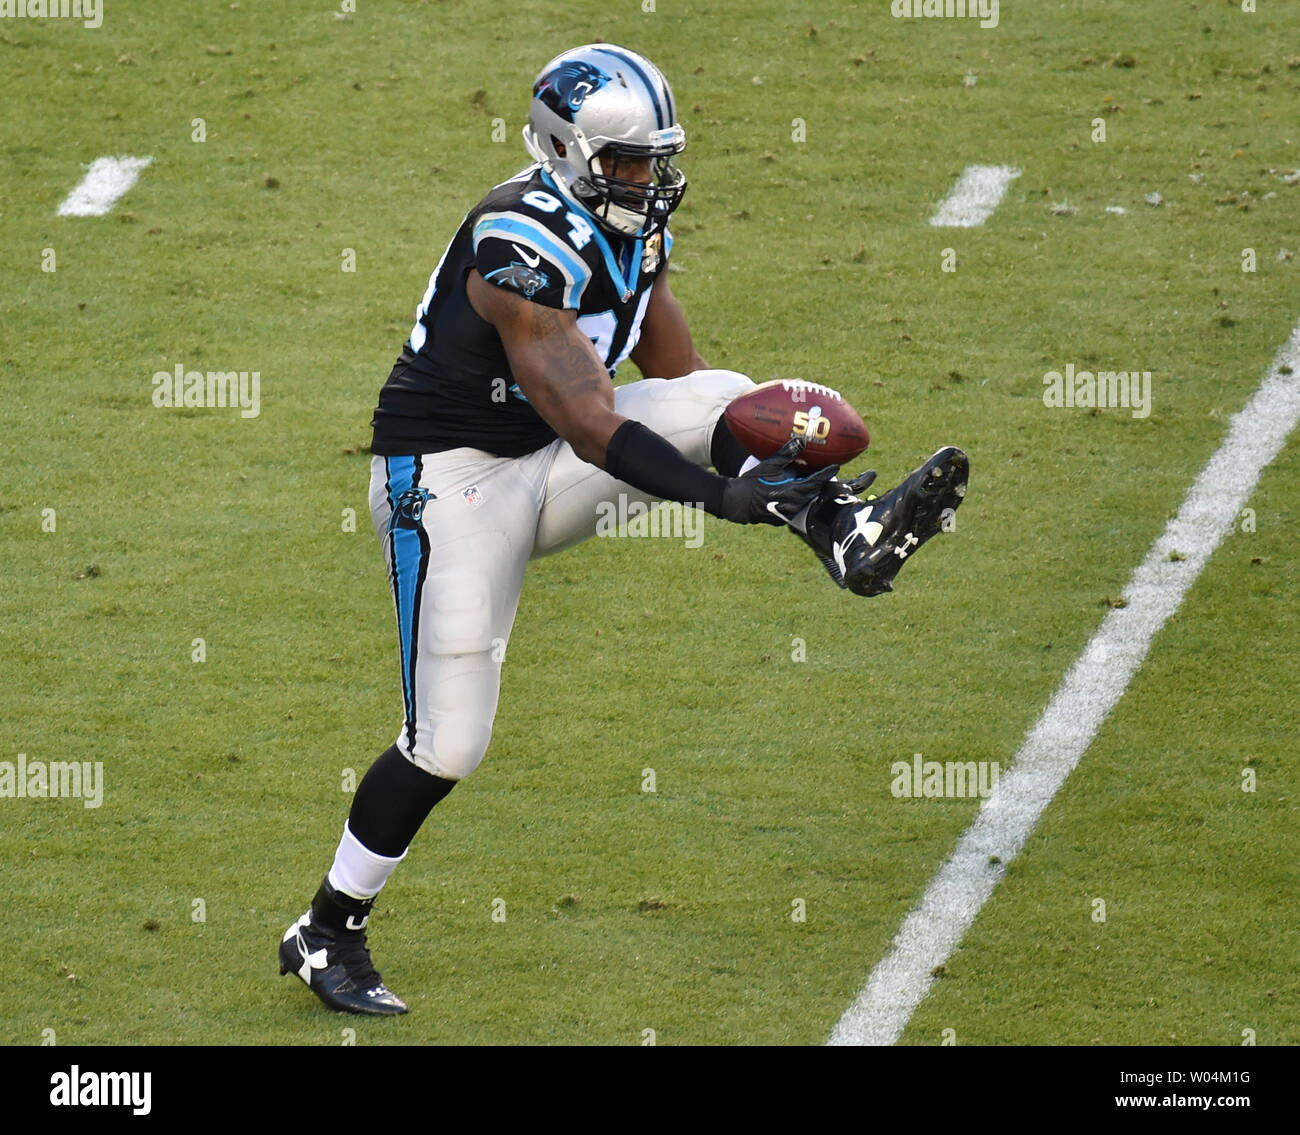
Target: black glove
x,y
773,492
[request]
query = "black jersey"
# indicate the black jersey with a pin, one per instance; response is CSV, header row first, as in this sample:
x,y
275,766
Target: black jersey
x,y
452,384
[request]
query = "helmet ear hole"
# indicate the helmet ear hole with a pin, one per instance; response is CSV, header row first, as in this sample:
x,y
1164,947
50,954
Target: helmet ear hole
x,y
558,146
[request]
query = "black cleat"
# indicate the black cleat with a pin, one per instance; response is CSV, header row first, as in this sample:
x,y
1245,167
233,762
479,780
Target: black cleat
x,y
336,965
864,544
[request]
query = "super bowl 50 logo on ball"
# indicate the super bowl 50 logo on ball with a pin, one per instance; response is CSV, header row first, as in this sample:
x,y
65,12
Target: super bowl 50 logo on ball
x,y
812,425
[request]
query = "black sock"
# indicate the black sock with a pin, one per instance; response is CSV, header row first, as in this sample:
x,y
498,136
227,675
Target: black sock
x,y
337,911
392,801
726,453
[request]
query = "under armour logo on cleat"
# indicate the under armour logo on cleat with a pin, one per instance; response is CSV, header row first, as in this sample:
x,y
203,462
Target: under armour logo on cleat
x,y
909,541
312,960
867,528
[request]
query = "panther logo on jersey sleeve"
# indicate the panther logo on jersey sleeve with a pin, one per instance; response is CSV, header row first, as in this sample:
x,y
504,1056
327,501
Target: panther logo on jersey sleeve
x,y
521,277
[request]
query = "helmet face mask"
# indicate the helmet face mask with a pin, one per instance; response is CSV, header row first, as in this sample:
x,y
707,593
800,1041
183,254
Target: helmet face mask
x,y
606,102
644,203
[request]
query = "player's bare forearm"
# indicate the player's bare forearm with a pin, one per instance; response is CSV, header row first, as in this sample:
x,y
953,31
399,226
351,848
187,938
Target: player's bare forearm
x,y
665,349
555,365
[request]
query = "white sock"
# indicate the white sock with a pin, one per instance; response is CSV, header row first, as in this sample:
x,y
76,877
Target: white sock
x,y
357,870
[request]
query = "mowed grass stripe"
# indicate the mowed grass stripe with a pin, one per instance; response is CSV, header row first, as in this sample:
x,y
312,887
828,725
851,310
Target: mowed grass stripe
x,y
1091,689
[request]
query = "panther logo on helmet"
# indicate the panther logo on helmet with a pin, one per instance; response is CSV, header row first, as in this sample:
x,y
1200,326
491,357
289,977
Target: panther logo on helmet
x,y
600,117
565,88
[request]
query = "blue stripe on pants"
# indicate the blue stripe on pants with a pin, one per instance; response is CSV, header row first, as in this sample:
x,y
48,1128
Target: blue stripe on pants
x,y
409,551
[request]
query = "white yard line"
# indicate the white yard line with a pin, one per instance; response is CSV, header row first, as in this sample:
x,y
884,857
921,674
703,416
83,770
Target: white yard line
x,y
106,180
1067,726
972,200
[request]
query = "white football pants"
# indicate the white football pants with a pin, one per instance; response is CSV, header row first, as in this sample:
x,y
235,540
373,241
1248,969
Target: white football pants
x,y
466,525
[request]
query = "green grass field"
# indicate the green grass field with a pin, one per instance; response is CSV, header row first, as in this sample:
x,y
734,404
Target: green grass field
x,y
627,910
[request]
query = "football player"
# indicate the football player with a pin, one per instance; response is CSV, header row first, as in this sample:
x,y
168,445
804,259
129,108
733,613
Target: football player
x,y
499,435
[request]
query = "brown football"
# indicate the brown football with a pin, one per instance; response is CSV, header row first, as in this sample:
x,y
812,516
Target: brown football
x,y
771,414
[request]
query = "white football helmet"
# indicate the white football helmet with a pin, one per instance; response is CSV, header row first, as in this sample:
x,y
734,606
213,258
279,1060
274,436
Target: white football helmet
x,y
602,98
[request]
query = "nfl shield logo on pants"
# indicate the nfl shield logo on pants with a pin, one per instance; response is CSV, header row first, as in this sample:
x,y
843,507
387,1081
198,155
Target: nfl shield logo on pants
x,y
472,496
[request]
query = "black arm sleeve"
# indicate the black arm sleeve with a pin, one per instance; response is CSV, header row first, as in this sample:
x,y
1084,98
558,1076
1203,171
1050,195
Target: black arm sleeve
x,y
651,463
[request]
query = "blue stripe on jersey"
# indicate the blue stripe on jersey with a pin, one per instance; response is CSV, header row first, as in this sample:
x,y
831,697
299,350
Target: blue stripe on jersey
x,y
649,83
612,265
638,251
519,227
406,555
668,243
